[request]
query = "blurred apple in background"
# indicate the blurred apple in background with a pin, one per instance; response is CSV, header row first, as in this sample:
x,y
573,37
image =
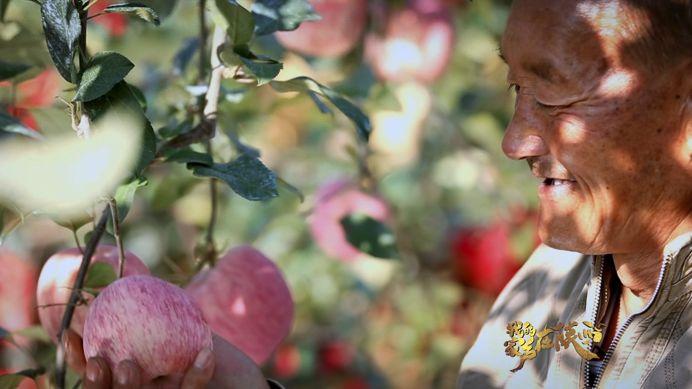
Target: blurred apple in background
x,y
286,361
245,300
336,34
335,356
416,44
146,320
38,92
114,23
482,257
333,201
58,276
17,284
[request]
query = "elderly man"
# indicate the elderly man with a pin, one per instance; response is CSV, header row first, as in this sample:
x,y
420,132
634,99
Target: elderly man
x,y
604,120
603,117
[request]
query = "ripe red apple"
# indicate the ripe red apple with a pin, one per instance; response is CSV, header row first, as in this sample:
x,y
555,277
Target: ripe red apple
x,y
483,257
246,301
336,34
17,285
58,276
335,200
146,320
417,43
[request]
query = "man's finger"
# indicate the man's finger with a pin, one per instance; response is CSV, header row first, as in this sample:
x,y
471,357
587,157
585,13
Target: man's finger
x,y
97,374
127,375
74,352
201,371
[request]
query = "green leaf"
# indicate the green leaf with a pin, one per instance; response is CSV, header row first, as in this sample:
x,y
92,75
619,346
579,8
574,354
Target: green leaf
x,y
122,100
102,72
10,125
137,9
246,175
240,21
100,275
307,85
163,8
62,26
9,69
263,68
125,196
369,236
281,15
36,332
189,156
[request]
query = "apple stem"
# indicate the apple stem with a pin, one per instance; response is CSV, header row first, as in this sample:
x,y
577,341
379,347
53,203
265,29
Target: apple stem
x,y
116,233
76,295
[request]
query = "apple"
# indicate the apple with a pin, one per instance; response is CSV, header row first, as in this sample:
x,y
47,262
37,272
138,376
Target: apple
x,y
335,200
17,283
287,361
58,276
483,257
416,45
335,356
25,383
336,34
246,301
148,321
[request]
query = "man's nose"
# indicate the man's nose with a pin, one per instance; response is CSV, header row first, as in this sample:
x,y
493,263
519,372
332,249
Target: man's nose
x,y
523,138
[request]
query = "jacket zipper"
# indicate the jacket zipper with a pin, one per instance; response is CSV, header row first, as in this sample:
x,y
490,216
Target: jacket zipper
x,y
621,330
599,287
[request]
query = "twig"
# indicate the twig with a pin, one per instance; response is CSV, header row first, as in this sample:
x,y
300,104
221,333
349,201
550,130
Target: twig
x,y
116,234
75,296
76,240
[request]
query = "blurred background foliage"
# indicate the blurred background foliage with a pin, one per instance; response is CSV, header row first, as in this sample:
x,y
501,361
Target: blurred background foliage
x,y
463,214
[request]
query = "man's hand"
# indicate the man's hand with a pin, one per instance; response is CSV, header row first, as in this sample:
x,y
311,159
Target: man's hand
x,y
225,368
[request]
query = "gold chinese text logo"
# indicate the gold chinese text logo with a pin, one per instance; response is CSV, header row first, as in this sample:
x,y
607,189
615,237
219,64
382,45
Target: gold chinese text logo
x,y
525,342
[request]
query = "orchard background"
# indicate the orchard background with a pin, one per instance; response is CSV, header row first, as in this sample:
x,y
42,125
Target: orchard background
x,y
360,153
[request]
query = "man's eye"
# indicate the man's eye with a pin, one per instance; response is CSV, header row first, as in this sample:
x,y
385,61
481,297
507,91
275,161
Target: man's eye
x,y
547,106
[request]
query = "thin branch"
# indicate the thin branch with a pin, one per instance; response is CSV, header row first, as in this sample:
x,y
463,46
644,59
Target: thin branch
x,y
116,234
76,240
75,296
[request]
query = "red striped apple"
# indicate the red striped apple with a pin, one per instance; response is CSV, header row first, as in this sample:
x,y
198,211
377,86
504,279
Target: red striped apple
x,y
58,276
336,34
335,200
17,283
246,301
148,321
417,43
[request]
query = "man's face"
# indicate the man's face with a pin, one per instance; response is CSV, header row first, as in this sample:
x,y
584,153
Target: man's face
x,y
607,142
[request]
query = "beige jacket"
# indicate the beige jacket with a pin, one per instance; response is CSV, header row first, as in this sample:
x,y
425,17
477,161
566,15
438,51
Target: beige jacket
x,y
652,349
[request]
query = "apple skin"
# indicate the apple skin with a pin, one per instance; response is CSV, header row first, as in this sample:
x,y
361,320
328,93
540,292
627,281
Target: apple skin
x,y
58,276
483,258
335,200
417,43
246,301
336,34
149,321
17,283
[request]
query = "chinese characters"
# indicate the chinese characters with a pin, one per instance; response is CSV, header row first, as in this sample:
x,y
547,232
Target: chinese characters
x,y
525,342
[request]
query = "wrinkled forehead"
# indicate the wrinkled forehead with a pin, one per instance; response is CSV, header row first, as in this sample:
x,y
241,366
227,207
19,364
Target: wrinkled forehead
x,y
563,39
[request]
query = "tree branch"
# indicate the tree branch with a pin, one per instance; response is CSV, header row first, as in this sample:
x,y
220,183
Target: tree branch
x,y
76,295
116,233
